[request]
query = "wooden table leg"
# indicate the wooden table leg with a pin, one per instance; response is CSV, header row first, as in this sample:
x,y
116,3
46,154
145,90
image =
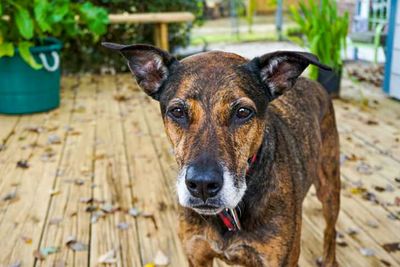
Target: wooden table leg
x,y
157,31
164,36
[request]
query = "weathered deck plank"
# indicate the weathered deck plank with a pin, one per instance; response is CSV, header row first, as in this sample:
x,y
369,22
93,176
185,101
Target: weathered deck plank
x,y
119,151
74,182
113,183
23,220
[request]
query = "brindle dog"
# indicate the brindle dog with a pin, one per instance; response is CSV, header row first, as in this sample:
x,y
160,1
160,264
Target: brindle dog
x,y
219,110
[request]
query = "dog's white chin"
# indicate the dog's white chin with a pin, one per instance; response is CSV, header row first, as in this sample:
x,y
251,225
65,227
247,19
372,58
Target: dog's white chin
x,y
229,196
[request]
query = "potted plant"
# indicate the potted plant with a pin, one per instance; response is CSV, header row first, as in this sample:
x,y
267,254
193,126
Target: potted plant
x,y
30,53
325,34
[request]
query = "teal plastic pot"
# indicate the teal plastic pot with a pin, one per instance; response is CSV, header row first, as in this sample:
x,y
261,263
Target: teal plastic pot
x,y
25,90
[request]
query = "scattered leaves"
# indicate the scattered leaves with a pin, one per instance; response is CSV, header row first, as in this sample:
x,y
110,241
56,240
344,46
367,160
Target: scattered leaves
x,y
75,245
123,225
161,259
27,240
23,164
10,196
16,264
391,247
386,263
108,258
48,250
379,188
55,220
368,252
372,224
352,231
134,212
372,122
53,139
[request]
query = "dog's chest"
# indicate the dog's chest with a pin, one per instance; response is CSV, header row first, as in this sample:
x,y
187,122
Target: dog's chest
x,y
234,251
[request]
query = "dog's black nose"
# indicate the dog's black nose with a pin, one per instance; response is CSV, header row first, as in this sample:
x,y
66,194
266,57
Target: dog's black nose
x,y
204,181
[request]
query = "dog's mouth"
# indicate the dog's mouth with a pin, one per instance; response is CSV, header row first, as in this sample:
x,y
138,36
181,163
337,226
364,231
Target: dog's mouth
x,y
207,209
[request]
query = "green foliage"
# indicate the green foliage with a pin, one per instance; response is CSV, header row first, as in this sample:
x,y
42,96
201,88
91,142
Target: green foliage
x,y
82,54
324,29
24,23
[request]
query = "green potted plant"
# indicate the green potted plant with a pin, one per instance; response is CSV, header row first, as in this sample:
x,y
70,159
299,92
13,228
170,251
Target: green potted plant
x,y
325,34
30,53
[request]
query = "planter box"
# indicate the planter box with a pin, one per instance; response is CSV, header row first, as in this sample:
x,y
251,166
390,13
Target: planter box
x,y
25,90
330,80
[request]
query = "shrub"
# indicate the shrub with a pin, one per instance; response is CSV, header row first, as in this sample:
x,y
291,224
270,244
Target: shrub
x,y
83,54
25,23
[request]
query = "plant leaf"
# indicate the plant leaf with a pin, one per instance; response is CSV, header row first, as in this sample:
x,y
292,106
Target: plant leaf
x,y
6,49
23,48
24,23
96,18
40,9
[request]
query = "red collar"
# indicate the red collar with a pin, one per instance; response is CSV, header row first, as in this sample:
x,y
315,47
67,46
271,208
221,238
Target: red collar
x,y
229,217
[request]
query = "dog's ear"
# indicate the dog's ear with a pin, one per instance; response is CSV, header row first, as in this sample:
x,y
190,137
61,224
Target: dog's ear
x,y
279,70
150,65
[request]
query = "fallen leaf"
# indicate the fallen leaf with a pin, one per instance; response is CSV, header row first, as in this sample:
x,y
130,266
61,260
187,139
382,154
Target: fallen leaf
x,y
161,259
134,212
162,206
96,216
397,201
357,190
397,179
123,225
55,221
372,122
150,265
54,192
16,264
23,164
391,247
48,250
26,239
372,224
368,252
79,182
107,207
108,258
34,129
75,245
386,263
364,168
352,231
53,139
38,255
379,188
9,196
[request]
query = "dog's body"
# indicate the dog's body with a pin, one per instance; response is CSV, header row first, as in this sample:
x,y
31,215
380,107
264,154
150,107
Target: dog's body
x,y
219,110
302,149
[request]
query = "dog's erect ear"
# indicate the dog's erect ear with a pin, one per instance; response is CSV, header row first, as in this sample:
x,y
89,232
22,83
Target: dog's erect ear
x,y
279,70
150,65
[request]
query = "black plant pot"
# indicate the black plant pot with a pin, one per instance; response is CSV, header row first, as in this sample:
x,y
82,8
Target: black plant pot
x,y
330,80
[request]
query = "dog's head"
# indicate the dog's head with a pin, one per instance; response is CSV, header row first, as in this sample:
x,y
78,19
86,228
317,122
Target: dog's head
x,y
213,105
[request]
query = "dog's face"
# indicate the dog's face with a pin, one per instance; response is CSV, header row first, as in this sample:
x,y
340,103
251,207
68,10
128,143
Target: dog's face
x,y
213,107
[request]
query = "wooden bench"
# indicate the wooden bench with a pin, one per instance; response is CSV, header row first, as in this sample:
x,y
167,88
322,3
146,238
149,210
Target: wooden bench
x,y
161,21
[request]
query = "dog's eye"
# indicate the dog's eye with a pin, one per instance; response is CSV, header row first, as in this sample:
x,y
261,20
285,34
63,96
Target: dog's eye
x,y
177,113
243,113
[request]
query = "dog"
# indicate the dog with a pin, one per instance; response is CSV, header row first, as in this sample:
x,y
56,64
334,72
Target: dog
x,y
250,138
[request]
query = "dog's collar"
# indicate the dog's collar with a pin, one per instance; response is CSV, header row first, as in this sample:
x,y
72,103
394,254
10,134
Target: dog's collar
x,y
230,217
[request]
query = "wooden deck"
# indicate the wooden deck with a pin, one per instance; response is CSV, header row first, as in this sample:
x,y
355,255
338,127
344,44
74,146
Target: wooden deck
x,y
104,152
